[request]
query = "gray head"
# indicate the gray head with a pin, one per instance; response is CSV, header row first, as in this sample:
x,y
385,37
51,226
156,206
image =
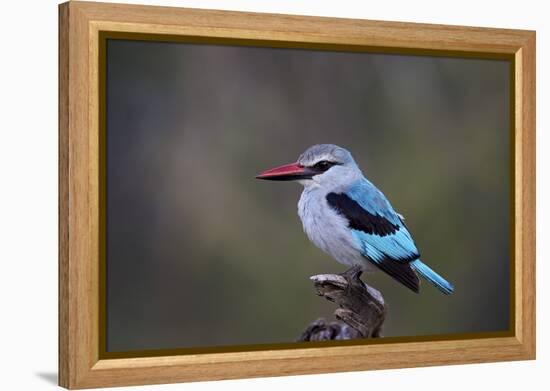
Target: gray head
x,y
325,152
323,165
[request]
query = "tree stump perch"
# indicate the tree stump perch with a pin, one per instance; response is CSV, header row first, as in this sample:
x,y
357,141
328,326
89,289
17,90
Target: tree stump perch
x,y
361,309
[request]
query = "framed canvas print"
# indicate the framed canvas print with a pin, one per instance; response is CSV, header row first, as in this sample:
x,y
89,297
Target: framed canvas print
x,y
247,195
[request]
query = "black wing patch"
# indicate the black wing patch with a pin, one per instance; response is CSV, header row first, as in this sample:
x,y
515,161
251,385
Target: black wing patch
x,y
401,272
362,220
359,218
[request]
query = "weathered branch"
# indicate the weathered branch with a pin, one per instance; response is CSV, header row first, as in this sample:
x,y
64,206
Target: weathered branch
x,y
361,310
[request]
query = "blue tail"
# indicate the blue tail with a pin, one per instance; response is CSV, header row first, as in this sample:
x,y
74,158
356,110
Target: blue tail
x,y
438,281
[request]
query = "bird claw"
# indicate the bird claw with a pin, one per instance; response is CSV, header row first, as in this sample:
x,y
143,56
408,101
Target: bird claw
x,y
352,273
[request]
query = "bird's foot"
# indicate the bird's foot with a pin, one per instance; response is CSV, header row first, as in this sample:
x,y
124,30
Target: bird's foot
x,y
353,272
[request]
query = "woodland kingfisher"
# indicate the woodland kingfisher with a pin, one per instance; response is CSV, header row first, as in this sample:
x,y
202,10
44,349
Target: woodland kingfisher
x,y
346,216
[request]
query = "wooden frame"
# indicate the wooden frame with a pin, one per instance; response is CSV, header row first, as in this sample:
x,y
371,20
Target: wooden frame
x,y
80,365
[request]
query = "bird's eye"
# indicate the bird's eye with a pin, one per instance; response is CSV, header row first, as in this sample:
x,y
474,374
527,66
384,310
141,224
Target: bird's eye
x,y
323,165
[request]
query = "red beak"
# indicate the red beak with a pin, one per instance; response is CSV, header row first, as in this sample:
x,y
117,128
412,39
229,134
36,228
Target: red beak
x,y
288,172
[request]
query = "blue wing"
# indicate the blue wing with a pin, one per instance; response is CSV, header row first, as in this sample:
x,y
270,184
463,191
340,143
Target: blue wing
x,y
379,229
380,233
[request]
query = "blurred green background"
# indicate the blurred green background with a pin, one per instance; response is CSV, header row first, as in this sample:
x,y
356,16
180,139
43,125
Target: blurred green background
x,y
199,253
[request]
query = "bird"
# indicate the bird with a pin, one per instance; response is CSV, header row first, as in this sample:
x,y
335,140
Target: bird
x,y
349,218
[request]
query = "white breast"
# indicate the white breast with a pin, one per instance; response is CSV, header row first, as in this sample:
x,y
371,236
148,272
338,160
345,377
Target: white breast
x,y
327,229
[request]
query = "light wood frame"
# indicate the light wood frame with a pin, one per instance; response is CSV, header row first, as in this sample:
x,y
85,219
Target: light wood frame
x,y
80,24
